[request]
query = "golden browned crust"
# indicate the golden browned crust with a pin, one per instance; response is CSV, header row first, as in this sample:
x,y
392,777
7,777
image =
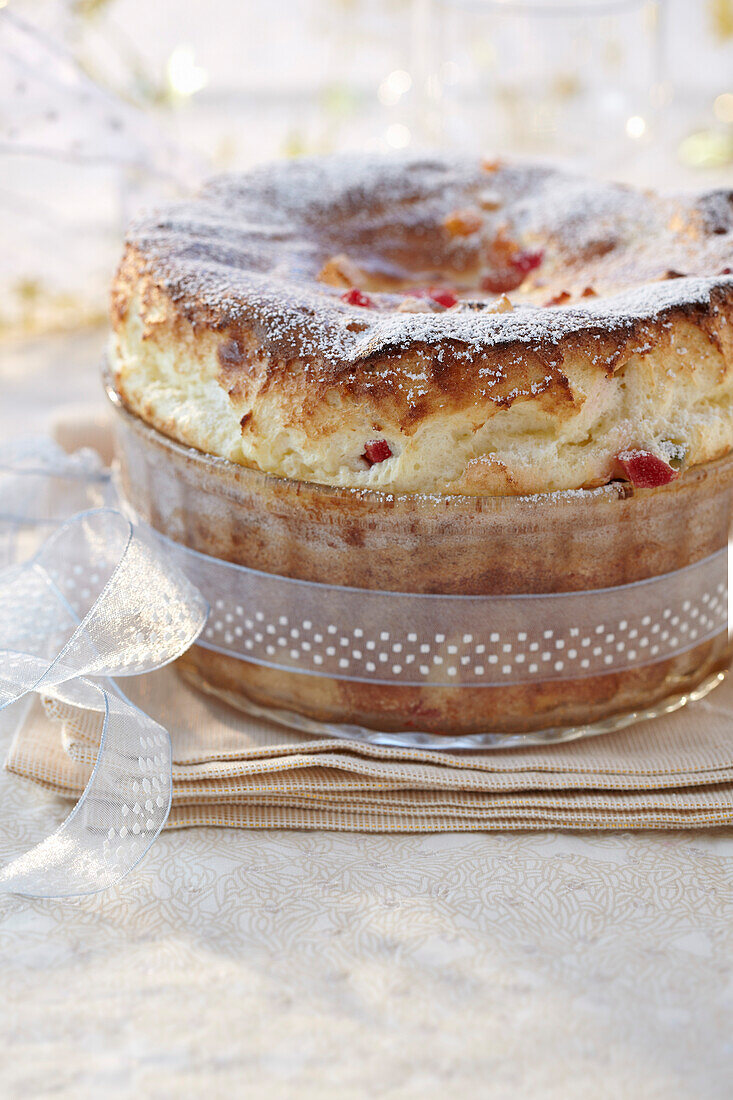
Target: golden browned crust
x,y
231,335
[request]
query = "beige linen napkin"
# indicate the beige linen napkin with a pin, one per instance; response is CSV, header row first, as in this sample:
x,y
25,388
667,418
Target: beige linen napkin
x,y
233,769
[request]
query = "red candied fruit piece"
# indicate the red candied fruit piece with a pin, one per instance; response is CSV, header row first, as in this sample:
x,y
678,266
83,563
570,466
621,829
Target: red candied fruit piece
x,y
527,261
443,295
377,450
512,277
356,297
645,470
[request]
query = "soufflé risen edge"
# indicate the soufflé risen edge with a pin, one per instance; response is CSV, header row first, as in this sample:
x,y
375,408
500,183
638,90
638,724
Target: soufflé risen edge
x,y
425,325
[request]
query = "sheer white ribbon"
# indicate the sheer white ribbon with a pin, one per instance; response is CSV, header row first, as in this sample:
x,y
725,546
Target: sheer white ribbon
x,y
95,602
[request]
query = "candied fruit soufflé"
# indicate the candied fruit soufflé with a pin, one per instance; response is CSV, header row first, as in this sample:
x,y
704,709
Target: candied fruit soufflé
x,y
440,377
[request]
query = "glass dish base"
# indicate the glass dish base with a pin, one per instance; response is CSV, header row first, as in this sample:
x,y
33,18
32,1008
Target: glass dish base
x,y
414,739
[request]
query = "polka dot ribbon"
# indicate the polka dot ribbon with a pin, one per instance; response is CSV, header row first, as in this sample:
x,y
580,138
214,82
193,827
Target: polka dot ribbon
x,y
417,639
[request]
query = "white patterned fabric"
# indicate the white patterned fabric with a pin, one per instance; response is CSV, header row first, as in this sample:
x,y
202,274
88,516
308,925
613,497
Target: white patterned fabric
x,y
322,965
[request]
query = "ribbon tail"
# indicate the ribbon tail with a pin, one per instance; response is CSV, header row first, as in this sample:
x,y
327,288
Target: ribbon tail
x,y
123,807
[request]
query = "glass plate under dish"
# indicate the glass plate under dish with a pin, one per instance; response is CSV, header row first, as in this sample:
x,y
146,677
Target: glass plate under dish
x,y
441,621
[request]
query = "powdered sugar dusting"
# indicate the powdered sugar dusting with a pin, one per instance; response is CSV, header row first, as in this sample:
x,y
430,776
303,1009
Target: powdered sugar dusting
x,y
249,250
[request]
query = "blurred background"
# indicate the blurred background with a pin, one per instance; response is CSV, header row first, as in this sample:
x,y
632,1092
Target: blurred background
x,y
106,105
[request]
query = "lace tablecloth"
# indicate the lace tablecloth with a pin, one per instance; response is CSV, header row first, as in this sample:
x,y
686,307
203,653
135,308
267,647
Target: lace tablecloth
x,y
330,965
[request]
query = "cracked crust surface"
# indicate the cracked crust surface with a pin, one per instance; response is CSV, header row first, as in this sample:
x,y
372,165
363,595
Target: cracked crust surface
x,y
231,335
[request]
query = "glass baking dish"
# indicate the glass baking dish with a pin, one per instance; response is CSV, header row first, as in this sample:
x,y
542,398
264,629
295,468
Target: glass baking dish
x,y
441,621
